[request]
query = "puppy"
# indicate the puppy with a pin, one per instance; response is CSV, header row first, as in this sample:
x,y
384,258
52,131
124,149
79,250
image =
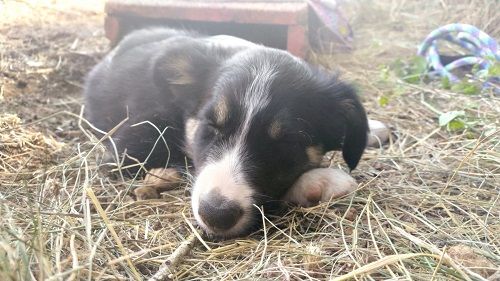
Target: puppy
x,y
254,121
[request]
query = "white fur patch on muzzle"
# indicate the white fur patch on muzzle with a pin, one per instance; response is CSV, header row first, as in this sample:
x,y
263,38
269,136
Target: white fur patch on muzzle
x,y
222,198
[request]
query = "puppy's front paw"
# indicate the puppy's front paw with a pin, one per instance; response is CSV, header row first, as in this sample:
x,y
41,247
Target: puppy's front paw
x,y
320,185
146,193
156,181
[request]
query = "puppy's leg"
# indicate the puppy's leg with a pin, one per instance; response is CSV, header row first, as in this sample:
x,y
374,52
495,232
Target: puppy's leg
x,y
320,185
156,181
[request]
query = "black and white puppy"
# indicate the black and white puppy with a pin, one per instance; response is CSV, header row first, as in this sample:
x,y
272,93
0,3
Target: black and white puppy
x,y
254,121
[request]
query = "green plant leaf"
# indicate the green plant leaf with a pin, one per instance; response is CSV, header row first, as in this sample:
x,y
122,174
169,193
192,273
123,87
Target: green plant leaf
x,y
447,117
412,79
398,67
494,70
466,88
418,65
383,100
445,83
456,125
411,70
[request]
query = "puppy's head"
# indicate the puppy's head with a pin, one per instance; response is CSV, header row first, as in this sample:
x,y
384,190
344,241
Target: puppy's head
x,y
271,119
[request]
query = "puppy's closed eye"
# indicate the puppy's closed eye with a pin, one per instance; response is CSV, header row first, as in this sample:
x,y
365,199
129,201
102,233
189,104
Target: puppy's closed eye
x,y
214,128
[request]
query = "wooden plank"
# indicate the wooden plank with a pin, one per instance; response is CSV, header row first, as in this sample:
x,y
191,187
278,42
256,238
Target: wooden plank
x,y
297,41
112,29
282,13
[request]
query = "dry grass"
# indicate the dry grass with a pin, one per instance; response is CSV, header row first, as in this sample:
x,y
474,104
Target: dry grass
x,y
427,207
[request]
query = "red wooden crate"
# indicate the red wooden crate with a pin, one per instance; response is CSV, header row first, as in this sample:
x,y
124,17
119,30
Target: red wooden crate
x,y
273,23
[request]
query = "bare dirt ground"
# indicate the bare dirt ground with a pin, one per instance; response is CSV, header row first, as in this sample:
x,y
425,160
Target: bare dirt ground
x,y
427,207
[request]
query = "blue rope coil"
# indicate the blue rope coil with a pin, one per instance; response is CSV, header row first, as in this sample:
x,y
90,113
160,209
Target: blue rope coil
x,y
483,49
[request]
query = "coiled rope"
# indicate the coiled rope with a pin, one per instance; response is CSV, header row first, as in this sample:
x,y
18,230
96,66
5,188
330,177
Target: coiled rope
x,y
483,49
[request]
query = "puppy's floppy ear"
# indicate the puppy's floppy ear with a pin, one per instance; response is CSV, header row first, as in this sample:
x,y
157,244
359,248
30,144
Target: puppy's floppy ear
x,y
340,121
356,131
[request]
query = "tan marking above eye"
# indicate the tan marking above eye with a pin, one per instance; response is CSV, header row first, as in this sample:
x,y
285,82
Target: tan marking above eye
x,y
191,127
275,129
314,154
221,112
180,71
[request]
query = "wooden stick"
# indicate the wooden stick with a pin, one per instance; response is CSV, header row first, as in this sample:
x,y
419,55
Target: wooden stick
x,y
165,271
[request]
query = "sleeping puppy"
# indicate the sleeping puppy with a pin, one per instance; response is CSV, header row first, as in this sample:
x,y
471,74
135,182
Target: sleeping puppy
x,y
254,121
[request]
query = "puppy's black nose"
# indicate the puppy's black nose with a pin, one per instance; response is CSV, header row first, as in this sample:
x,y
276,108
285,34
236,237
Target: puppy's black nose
x,y
219,212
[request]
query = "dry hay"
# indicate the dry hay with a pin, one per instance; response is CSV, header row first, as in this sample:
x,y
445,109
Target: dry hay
x,y
427,206
23,151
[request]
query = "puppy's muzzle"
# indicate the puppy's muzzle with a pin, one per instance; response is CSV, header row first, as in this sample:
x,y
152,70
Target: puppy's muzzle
x,y
219,212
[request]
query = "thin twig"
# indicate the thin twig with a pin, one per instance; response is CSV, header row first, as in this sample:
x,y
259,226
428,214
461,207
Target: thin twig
x,y
166,269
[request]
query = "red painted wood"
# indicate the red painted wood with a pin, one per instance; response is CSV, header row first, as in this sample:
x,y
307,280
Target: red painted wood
x,y
112,28
297,40
293,14
240,12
